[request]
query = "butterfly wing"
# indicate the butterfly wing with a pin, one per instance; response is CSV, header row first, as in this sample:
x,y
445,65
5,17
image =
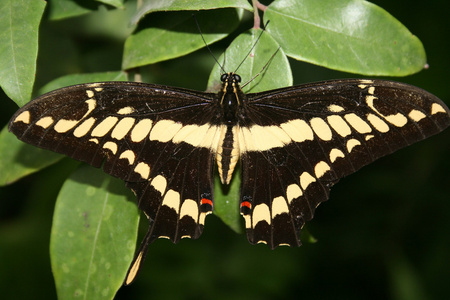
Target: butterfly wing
x,y
297,142
150,136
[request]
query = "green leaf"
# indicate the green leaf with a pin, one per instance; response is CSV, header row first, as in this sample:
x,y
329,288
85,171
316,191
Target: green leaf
x,y
82,78
178,5
348,35
115,3
93,235
19,159
226,201
109,23
173,34
272,66
19,23
63,9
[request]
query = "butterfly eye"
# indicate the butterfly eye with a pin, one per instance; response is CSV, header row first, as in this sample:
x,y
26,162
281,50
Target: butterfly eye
x,y
223,77
237,78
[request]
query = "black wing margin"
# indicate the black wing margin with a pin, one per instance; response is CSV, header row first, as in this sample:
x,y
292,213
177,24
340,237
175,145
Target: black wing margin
x,y
313,135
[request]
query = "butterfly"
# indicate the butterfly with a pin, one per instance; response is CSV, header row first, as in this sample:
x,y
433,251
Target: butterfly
x,y
293,144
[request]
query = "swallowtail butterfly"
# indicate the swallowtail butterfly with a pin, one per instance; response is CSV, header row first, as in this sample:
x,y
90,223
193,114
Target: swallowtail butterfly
x,y
293,145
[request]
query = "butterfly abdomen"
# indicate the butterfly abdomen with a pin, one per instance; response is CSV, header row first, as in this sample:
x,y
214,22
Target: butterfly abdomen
x,y
227,153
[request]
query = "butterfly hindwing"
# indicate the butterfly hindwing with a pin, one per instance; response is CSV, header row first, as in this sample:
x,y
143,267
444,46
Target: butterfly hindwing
x,y
181,197
298,142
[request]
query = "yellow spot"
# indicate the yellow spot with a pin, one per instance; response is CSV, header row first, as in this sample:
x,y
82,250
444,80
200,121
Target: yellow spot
x,y
293,191
65,125
261,213
125,110
416,115
142,169
122,128
172,200
159,183
335,154
198,136
164,130
134,269
339,125
141,130
93,140
298,130
436,108
366,81
91,106
262,138
23,117
98,89
93,85
378,123
369,136
305,180
111,146
279,206
129,155
104,126
398,120
371,90
245,141
335,108
359,124
277,133
211,139
84,127
352,143
321,168
45,122
89,93
189,208
248,221
321,128
201,219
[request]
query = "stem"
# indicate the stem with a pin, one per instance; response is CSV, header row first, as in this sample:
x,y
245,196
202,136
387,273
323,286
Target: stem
x,y
257,6
256,18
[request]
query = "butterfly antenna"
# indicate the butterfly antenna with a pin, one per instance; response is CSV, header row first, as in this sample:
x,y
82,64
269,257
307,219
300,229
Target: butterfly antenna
x,y
253,47
206,44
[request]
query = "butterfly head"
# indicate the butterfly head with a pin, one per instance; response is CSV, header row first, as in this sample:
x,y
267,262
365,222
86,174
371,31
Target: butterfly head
x,y
230,82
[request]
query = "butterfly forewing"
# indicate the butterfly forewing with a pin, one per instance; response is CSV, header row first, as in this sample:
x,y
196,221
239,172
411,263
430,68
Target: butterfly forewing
x,y
293,145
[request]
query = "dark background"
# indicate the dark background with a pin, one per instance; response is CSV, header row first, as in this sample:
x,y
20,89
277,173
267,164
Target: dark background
x,y
384,234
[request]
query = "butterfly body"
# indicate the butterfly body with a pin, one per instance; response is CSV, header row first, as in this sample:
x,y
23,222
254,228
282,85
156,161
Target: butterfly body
x,y
292,144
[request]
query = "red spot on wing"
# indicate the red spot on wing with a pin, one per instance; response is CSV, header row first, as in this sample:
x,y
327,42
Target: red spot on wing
x,y
246,204
206,201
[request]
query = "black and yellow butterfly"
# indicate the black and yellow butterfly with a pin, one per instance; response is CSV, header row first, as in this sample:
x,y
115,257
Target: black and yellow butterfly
x,y
293,144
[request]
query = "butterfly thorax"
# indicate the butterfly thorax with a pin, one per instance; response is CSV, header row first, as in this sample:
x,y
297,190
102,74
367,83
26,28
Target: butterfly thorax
x,y
230,98
228,149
